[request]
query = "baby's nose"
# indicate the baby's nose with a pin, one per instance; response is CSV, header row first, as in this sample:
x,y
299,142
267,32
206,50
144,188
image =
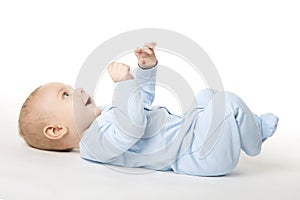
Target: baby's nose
x,y
80,91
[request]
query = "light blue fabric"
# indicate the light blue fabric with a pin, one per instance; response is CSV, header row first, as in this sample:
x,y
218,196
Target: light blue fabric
x,y
133,133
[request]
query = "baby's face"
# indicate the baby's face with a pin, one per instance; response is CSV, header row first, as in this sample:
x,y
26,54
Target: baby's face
x,y
72,108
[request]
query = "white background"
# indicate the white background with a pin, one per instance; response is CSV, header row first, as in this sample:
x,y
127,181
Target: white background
x,y
255,46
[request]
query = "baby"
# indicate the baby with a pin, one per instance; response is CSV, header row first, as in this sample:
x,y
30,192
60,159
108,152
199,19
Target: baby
x,y
132,133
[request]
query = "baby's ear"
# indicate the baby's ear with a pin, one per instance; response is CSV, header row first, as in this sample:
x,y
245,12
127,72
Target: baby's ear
x,y
55,132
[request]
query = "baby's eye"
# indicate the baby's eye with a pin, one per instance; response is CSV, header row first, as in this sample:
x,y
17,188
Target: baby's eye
x,y
65,95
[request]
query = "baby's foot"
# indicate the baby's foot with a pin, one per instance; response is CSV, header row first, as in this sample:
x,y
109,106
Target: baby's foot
x,y
268,125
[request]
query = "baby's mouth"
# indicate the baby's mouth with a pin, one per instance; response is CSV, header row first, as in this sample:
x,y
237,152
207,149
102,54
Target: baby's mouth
x,y
88,101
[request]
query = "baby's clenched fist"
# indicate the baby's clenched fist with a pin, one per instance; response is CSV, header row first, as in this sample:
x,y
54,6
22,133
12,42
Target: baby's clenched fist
x,y
119,72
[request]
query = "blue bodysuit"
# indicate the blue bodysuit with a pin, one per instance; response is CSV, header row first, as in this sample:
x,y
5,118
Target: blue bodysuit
x,y
132,133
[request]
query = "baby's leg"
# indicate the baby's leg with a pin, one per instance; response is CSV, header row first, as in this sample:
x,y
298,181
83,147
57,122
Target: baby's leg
x,y
253,129
222,129
204,97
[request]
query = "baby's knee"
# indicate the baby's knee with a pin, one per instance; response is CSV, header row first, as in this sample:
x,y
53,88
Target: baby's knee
x,y
231,99
227,101
205,96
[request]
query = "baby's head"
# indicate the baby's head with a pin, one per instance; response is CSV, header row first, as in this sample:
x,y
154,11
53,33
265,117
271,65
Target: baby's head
x,y
55,116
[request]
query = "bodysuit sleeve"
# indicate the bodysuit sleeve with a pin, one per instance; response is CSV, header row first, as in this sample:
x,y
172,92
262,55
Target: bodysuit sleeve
x,y
146,80
112,136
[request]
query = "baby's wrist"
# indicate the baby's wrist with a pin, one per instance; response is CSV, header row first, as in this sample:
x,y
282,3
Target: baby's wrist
x,y
144,67
126,78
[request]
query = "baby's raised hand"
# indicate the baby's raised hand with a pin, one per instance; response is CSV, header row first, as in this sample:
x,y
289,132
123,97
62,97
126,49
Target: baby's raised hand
x,y
146,56
119,72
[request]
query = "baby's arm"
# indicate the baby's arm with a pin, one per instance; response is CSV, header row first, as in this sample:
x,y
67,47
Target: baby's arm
x,y
127,122
146,72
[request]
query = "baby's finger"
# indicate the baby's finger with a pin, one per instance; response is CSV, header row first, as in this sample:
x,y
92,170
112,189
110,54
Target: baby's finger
x,y
138,51
110,66
147,50
150,45
143,55
141,61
